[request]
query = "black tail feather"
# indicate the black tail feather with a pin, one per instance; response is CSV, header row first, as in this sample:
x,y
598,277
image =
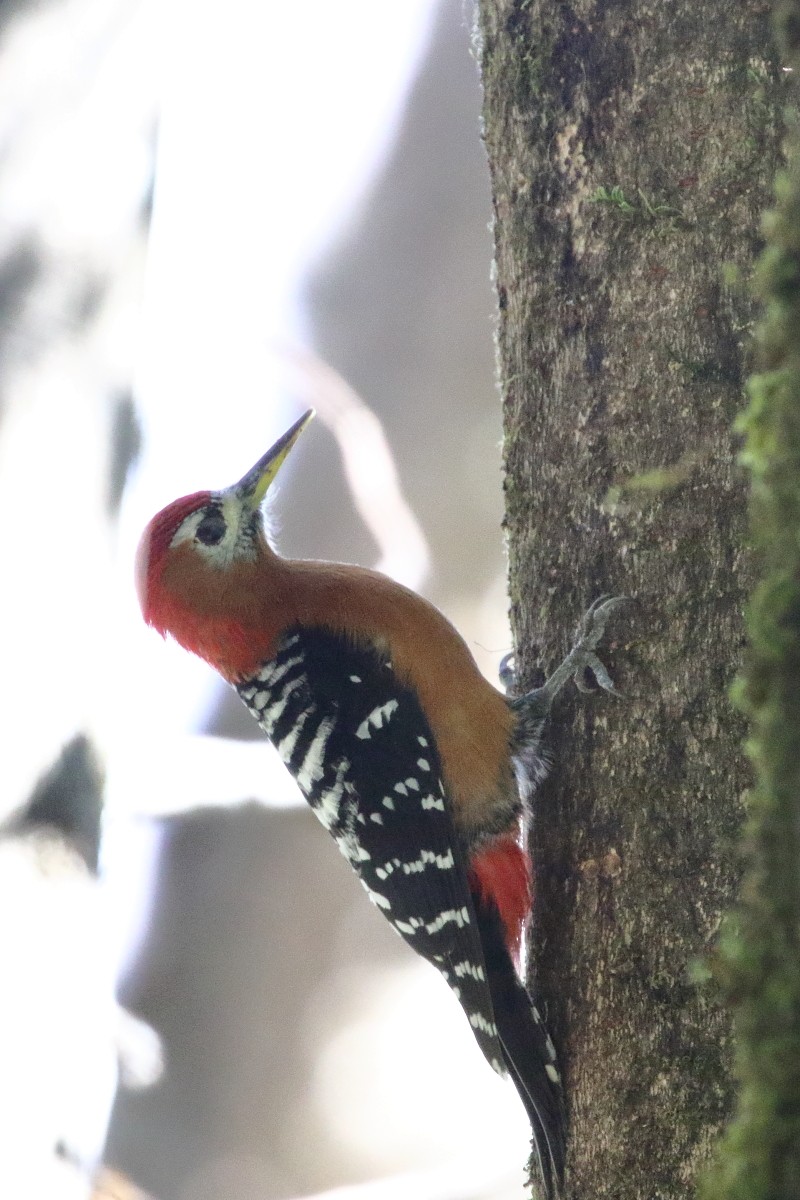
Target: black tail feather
x,y
528,1052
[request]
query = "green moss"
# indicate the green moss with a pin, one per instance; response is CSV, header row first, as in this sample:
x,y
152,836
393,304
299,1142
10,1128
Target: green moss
x,y
636,206
703,370
758,961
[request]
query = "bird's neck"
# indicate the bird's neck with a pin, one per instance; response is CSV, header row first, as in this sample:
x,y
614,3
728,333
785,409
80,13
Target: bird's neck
x,y
233,619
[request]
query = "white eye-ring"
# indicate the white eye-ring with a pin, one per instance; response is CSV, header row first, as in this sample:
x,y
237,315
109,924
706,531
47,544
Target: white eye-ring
x,y
220,531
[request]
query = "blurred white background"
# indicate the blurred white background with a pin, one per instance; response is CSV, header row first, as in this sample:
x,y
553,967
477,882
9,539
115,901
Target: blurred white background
x,y
210,219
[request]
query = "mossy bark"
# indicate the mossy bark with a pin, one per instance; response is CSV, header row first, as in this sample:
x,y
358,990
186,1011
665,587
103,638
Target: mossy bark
x,y
632,148
759,959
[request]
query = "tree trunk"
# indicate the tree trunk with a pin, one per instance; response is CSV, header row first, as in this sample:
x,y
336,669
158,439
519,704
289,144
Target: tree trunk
x,y
631,148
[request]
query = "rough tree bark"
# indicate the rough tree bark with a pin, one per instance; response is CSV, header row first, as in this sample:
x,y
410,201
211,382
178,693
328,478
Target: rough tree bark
x,y
632,148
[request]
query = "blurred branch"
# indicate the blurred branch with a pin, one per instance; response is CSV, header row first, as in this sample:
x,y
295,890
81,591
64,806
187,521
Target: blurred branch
x,y
113,1185
369,467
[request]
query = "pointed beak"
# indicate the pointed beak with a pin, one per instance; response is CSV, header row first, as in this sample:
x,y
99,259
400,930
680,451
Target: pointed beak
x,y
253,486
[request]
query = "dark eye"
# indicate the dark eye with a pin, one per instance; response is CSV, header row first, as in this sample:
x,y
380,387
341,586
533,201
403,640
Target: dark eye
x,y
212,528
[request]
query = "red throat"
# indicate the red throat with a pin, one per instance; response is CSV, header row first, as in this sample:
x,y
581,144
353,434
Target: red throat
x,y
501,874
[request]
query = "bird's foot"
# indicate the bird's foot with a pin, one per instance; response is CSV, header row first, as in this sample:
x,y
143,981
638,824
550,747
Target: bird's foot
x,y
581,658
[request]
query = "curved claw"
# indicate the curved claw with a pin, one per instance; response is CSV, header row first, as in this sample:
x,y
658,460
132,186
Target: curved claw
x,y
580,659
592,663
582,655
592,630
593,624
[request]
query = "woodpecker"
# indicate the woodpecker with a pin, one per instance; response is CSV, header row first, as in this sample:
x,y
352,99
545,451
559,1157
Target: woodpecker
x,y
421,770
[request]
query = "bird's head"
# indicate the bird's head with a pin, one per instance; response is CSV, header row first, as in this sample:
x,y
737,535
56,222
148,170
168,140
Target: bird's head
x,y
200,567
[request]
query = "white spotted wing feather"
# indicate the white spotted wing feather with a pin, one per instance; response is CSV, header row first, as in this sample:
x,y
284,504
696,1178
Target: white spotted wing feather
x,y
361,750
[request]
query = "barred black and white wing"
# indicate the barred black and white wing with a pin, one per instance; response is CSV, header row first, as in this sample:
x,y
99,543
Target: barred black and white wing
x,y
359,745
360,748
